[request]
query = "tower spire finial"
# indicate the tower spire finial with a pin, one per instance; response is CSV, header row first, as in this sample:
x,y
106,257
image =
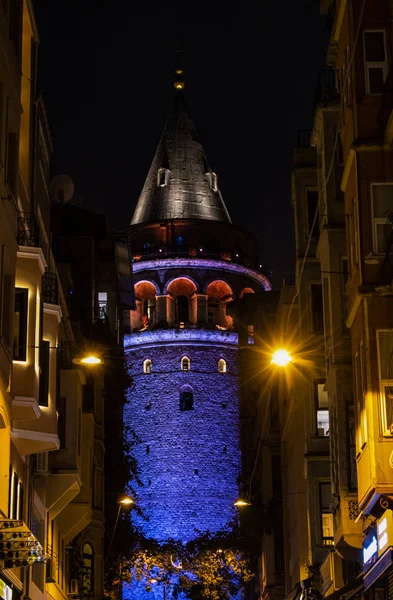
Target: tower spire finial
x,y
179,81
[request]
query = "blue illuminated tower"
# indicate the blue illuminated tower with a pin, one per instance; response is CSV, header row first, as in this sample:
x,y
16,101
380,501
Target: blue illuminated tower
x,y
189,263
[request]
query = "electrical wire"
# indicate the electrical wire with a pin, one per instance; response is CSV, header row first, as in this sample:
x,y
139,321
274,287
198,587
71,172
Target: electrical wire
x,y
326,179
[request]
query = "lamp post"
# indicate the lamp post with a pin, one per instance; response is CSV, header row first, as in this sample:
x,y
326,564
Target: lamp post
x,y
280,358
126,501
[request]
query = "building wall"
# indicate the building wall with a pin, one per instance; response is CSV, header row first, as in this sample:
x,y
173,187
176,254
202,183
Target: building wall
x,y
189,460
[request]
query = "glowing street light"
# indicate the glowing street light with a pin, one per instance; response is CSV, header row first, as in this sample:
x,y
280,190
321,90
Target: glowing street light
x,y
90,360
240,502
126,501
281,358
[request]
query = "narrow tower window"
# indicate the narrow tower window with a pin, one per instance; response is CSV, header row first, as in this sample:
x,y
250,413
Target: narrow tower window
x,y
186,400
147,366
162,177
185,363
222,366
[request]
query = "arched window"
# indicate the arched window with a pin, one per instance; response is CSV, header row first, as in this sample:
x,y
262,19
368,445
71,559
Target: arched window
x,y
149,310
181,306
186,400
185,363
222,366
147,365
87,573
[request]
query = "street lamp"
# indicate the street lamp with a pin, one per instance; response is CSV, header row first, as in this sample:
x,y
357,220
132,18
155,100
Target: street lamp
x,y
242,501
91,360
125,501
281,358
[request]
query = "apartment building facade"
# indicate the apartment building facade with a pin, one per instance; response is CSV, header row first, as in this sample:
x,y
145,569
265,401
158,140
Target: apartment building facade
x,y
52,449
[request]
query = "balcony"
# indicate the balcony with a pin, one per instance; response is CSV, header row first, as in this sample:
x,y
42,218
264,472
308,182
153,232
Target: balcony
x,y
327,90
28,233
49,288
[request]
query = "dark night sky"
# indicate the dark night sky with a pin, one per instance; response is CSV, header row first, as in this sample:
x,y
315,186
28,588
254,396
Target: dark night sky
x,y
105,69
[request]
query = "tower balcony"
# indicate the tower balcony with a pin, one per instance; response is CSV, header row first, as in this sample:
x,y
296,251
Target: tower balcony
x,y
180,336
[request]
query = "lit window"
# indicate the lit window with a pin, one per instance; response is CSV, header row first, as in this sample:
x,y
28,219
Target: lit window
x,y
222,366
213,180
20,323
374,61
87,572
102,305
147,366
322,410
162,177
382,212
385,350
326,515
185,363
186,400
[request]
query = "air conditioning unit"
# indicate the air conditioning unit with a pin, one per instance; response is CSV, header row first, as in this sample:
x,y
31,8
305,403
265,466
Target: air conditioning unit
x,y
42,463
73,587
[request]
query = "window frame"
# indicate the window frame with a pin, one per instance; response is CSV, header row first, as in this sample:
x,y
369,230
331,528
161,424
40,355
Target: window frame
x,y
377,220
21,347
222,365
318,382
185,360
325,541
383,383
374,64
316,232
147,366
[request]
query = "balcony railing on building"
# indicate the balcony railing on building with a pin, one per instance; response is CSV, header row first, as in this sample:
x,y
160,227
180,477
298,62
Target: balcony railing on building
x,y
28,233
328,89
49,289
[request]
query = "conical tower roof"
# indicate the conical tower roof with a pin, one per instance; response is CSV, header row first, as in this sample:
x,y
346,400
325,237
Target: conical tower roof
x,y
180,183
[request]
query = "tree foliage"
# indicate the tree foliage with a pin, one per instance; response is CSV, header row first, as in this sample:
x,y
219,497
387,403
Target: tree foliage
x,y
212,567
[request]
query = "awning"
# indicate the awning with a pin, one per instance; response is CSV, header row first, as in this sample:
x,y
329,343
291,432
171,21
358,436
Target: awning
x,y
18,546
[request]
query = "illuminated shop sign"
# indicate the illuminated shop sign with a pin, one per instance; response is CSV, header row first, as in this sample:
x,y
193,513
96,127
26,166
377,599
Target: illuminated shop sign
x,y
385,531
370,548
5,591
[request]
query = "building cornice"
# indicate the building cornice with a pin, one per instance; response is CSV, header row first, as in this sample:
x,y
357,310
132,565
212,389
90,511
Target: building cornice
x,y
33,253
171,337
53,309
201,263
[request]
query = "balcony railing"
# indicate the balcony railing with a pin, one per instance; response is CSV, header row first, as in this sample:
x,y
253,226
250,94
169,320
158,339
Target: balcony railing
x,y
327,89
49,289
28,233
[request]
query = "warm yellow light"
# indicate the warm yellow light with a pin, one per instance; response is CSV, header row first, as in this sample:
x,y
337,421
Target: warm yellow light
x,y
179,85
281,358
91,360
242,502
125,501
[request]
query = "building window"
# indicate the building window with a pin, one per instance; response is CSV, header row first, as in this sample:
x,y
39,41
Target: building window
x,y
317,307
374,61
102,305
385,352
147,365
87,573
322,403
43,399
162,177
186,400
185,363
222,366
181,308
326,515
149,311
20,323
382,213
213,180
312,208
213,311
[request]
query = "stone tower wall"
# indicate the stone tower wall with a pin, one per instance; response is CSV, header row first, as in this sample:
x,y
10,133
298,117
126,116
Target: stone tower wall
x,y
189,461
